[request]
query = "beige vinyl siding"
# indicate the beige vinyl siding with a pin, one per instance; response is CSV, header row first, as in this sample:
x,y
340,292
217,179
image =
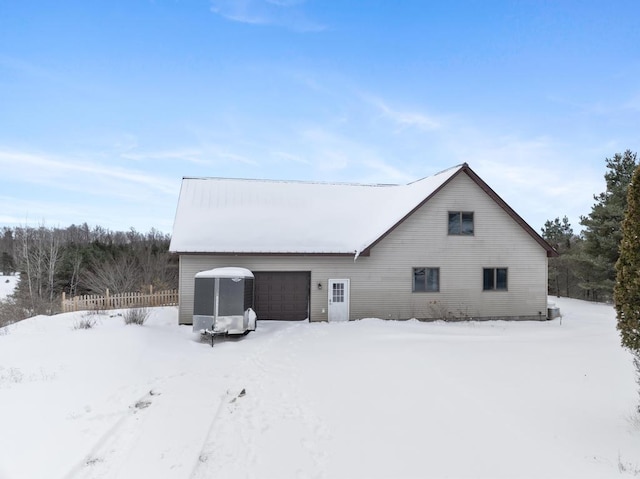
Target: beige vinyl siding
x,y
381,284
498,242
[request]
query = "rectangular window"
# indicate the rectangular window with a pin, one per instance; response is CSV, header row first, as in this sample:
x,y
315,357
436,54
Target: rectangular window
x,y
426,280
494,279
461,223
488,279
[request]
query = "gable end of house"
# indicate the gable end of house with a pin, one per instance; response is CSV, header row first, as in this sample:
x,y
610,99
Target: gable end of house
x,y
551,252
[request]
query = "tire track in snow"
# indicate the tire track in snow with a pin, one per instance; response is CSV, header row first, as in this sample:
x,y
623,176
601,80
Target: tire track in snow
x,y
159,435
271,409
223,447
215,429
99,458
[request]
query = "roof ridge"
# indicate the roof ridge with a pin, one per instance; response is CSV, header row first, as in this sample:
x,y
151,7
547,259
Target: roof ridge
x,y
302,182
461,165
316,182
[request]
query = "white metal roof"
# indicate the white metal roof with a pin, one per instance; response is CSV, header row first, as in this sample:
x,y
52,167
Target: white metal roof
x,y
222,215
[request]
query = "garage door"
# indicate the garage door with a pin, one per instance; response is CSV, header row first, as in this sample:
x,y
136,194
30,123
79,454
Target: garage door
x,y
282,295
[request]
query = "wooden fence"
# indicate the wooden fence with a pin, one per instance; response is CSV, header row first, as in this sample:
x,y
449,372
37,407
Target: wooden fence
x,y
96,302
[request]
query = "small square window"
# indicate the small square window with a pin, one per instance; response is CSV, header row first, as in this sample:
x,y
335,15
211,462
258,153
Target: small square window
x,y
426,280
461,223
494,279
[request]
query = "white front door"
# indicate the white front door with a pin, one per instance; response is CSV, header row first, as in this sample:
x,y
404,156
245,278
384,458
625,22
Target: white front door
x,y
338,300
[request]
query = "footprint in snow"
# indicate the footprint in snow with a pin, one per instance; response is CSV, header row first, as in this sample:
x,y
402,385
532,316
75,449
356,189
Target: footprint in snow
x,y
240,394
145,403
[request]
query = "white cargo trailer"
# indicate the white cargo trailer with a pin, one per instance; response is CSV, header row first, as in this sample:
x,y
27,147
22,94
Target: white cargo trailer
x,y
223,302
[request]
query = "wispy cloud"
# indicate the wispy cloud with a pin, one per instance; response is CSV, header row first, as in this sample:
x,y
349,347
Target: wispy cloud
x,y
29,69
281,155
282,13
200,155
380,169
335,156
126,142
608,108
404,118
65,189
633,103
236,158
49,75
34,211
42,166
532,174
191,155
329,151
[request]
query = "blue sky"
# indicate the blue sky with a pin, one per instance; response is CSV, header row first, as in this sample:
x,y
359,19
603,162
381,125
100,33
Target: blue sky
x,y
106,105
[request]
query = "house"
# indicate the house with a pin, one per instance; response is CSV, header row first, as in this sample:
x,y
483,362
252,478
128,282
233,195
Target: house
x,y
443,247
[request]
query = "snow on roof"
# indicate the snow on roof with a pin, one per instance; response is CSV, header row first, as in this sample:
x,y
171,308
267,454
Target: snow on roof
x,y
222,215
229,272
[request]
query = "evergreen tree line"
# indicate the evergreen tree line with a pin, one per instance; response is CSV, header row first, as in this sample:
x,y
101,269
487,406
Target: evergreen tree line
x,y
80,260
626,292
603,262
586,267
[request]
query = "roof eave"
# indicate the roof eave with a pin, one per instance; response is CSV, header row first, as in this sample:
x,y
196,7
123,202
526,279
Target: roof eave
x,y
265,253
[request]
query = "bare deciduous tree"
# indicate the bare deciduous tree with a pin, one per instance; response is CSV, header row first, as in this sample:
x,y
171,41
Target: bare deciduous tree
x,y
120,275
38,256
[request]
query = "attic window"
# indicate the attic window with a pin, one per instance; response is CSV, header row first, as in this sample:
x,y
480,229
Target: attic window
x,y
461,223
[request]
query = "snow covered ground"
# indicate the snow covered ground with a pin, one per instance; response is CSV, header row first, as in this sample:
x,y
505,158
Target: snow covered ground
x,y
7,285
364,399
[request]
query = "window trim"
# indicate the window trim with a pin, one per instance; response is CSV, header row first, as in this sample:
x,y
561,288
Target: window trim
x,y
495,278
461,222
426,269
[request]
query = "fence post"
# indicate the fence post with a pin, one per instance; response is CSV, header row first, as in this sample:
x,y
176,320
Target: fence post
x,y
62,305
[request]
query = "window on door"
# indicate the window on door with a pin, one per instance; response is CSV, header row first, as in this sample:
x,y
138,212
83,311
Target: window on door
x,y
426,280
337,293
494,279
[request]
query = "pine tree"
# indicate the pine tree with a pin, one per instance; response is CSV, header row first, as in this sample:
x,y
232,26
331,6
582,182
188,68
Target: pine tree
x,y
560,235
6,264
627,289
602,232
